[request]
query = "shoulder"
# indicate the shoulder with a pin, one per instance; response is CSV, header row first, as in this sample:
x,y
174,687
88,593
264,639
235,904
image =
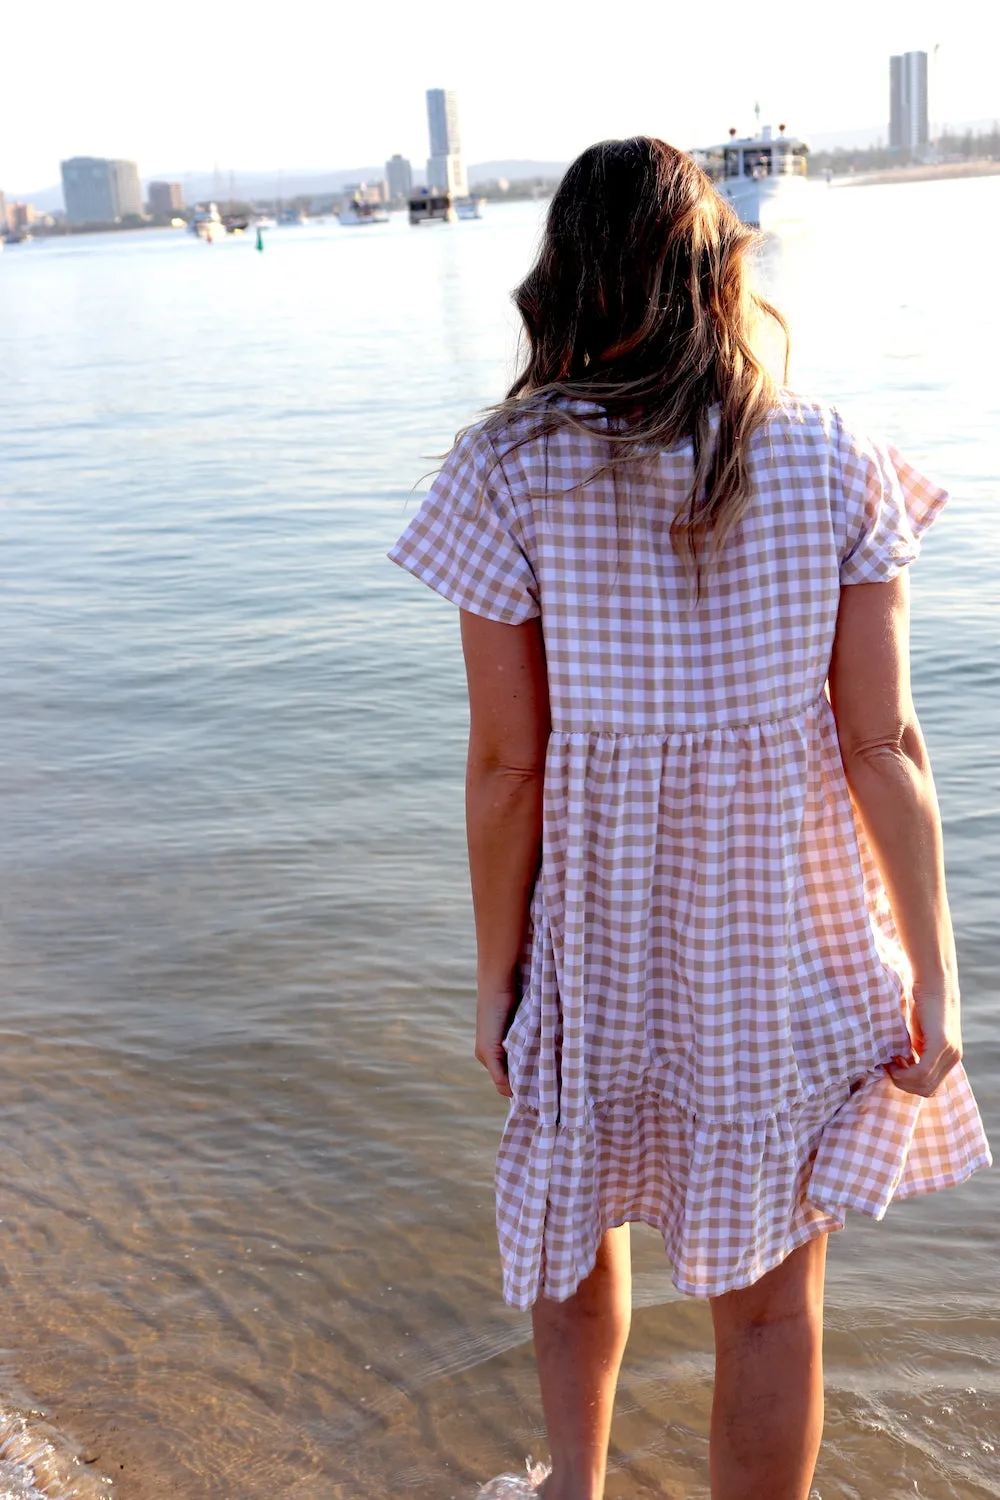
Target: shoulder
x,y
473,468
836,438
540,447
804,419
842,427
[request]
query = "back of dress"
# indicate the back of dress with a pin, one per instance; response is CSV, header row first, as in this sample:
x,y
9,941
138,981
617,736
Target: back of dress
x,y
713,983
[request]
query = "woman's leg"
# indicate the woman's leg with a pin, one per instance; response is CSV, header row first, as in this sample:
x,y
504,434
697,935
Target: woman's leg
x,y
767,1415
579,1346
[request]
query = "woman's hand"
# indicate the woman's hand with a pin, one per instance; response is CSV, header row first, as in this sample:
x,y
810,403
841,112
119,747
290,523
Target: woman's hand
x,y
936,1034
495,1007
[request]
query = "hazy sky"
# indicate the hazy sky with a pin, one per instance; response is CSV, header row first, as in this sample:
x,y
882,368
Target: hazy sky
x,y
294,83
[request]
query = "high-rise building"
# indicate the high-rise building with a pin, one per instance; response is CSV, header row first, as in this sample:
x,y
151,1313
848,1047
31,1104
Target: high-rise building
x,y
19,216
442,121
100,191
399,176
128,188
908,127
165,198
445,168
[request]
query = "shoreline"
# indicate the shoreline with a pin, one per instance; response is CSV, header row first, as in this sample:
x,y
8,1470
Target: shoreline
x,y
928,173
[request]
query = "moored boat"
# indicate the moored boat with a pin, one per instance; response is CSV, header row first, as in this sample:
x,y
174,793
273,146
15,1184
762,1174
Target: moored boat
x,y
763,176
207,223
437,207
470,207
358,211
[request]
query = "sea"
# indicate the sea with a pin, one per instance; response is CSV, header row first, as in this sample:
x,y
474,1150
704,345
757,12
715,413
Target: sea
x,y
246,1222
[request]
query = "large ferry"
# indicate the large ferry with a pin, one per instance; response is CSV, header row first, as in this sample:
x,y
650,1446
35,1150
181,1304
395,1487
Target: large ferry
x,y
763,176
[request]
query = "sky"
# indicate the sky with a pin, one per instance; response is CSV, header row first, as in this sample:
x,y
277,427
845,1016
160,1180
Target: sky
x,y
267,84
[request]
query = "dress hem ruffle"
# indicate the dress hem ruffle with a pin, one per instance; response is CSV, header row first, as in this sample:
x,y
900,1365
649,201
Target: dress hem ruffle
x,y
732,1200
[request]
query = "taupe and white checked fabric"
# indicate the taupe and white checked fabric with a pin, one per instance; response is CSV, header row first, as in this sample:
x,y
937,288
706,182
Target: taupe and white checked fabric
x,y
713,983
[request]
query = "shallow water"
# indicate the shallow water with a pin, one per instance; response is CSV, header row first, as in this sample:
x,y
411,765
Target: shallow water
x,y
245,1182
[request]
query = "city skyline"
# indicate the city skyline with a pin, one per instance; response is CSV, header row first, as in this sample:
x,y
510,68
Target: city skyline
x,y
669,76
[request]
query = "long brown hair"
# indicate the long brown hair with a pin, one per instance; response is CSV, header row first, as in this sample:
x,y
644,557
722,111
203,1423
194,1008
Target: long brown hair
x,y
641,302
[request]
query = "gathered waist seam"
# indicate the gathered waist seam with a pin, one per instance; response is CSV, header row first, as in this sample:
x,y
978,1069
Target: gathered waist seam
x,y
656,736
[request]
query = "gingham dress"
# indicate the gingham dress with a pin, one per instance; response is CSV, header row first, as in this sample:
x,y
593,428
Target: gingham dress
x,y
713,982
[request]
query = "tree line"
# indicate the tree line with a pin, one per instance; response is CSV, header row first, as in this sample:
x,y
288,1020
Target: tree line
x,y
966,145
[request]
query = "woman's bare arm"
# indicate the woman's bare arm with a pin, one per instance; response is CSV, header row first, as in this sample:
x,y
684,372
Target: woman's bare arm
x,y
889,776
508,736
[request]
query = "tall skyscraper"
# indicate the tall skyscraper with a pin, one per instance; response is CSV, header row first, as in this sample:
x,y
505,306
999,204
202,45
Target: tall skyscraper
x,y
908,127
442,122
100,191
399,176
445,168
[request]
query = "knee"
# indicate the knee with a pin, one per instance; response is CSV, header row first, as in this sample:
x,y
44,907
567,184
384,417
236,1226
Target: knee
x,y
788,1299
759,1324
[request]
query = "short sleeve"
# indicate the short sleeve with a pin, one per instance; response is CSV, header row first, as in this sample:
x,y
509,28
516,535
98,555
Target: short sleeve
x,y
464,543
887,507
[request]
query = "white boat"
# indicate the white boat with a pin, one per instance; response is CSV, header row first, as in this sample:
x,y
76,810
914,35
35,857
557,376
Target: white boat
x,y
470,208
763,176
357,211
207,224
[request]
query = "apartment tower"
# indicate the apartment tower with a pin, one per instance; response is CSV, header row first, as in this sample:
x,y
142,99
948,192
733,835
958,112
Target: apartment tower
x,y
100,191
908,127
445,168
165,198
399,177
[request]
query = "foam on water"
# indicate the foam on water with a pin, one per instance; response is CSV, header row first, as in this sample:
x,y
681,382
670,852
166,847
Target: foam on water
x,y
16,1483
514,1486
37,1463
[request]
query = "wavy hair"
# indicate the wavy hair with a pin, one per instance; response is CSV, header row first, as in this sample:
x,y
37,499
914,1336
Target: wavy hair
x,y
641,302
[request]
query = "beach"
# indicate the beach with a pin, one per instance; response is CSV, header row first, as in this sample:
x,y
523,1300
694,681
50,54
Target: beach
x,y
926,172
246,1196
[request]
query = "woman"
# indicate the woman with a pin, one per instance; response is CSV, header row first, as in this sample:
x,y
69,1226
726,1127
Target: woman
x,y
716,973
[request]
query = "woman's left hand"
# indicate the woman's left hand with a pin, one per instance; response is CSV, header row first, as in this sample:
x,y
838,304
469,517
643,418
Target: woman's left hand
x,y
495,1007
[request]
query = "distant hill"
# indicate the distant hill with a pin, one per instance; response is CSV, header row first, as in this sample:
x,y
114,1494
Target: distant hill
x,y
851,140
871,135
516,171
